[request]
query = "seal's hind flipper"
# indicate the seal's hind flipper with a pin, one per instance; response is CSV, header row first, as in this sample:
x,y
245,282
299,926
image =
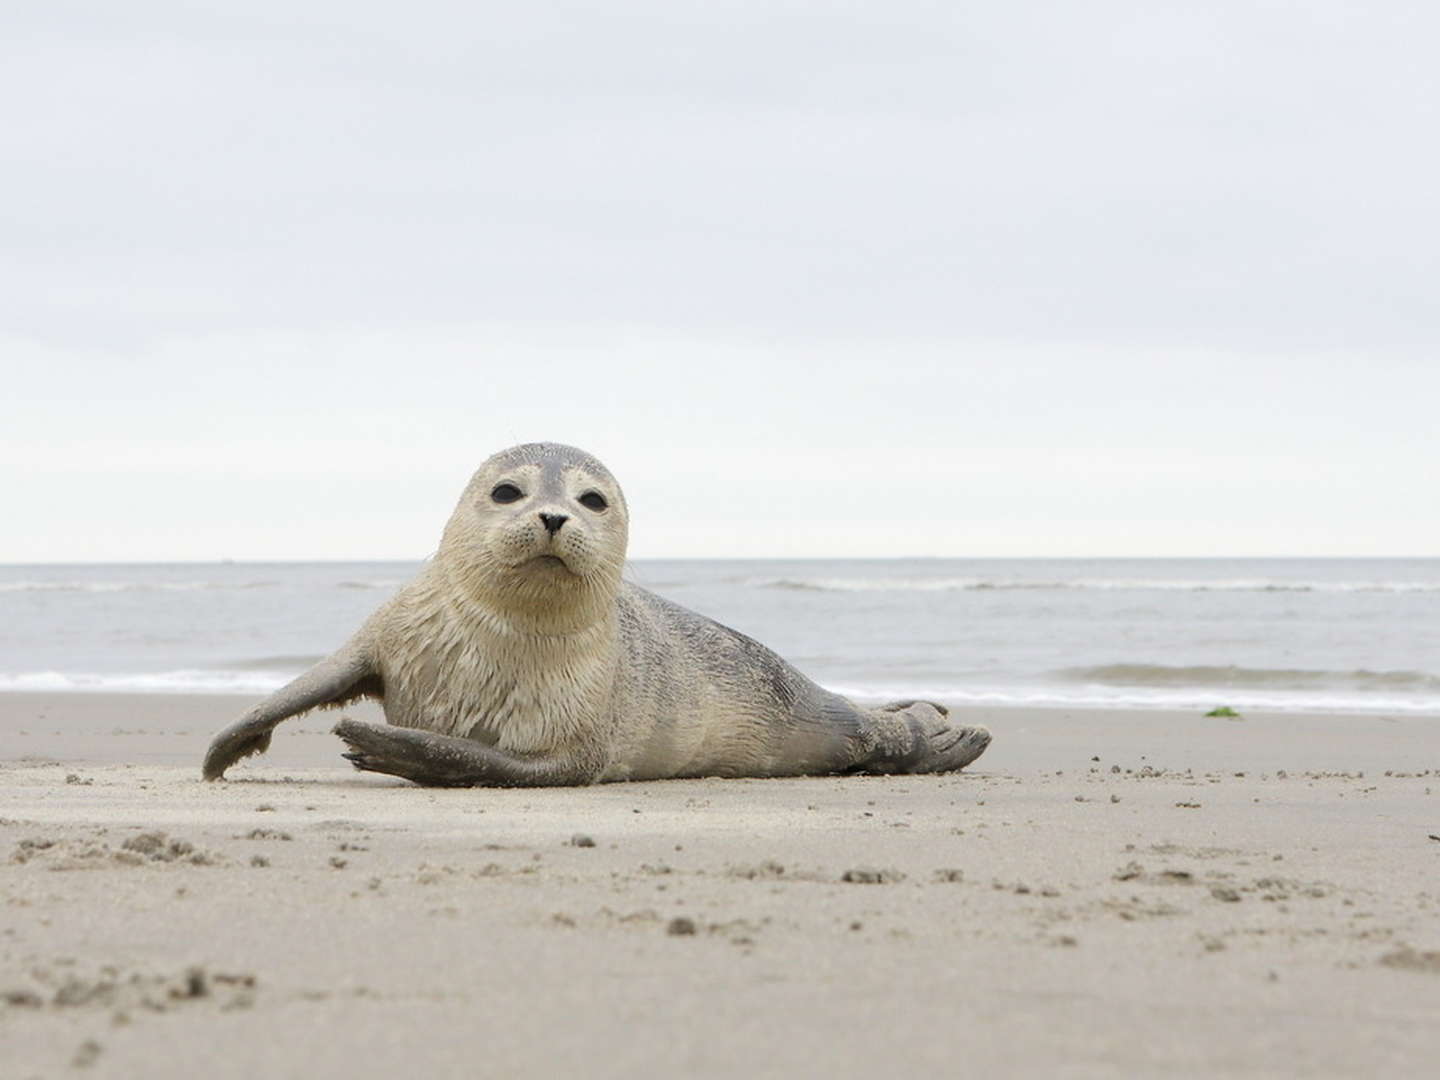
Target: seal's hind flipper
x,y
931,742
952,749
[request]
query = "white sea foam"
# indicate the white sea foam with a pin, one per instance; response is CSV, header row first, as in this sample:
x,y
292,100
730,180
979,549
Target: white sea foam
x,y
1179,698
1189,698
194,681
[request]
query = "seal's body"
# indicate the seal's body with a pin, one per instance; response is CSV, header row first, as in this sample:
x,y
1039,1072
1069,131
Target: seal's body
x,y
518,656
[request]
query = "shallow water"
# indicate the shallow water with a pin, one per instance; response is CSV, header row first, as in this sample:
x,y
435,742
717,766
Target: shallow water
x,y
1301,634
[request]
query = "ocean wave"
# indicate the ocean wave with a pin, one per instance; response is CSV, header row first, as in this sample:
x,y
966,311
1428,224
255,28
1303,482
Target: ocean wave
x,y
295,663
182,586
130,586
987,584
1227,677
915,584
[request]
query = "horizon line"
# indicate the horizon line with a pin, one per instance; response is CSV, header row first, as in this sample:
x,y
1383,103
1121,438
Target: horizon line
x,y
740,558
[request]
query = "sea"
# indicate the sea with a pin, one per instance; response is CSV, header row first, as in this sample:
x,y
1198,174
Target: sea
x,y
1327,635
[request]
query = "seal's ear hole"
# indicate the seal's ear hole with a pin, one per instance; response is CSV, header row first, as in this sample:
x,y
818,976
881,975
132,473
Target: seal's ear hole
x,y
593,500
505,493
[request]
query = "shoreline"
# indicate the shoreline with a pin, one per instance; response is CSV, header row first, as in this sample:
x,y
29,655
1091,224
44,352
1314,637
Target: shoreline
x,y
1104,894
1202,700
102,727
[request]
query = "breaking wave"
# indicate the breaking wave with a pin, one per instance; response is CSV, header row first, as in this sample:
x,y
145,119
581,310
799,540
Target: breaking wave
x,y
1227,677
987,584
130,586
193,681
177,586
296,663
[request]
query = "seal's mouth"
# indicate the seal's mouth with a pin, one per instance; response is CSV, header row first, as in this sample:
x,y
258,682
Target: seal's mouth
x,y
549,562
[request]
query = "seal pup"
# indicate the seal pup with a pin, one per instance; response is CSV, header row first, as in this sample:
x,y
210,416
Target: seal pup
x,y
519,656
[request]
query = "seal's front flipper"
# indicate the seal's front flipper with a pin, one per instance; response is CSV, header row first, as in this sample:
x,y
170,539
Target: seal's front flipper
x,y
444,761
342,677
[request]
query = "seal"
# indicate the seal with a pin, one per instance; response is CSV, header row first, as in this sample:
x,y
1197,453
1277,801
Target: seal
x,y
518,656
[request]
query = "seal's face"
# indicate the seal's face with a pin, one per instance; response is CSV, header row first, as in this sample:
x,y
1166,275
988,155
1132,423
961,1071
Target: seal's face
x,y
549,517
537,524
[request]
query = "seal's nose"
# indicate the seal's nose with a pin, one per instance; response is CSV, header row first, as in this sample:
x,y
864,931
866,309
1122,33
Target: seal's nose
x,y
552,522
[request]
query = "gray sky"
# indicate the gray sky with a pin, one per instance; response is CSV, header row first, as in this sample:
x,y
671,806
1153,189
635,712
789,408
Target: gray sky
x,y
893,278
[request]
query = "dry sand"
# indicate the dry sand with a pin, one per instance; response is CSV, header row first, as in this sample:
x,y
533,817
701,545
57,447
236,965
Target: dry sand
x,y
1109,894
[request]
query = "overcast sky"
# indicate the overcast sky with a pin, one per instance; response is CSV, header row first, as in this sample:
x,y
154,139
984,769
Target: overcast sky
x,y
877,278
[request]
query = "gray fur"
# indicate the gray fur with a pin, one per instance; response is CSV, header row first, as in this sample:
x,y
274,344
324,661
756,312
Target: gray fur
x,y
518,656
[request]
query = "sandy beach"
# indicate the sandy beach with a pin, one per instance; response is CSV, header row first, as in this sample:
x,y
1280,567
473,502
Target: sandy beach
x,y
1106,894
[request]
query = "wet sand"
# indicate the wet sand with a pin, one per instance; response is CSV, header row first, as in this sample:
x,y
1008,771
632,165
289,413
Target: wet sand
x,y
1107,894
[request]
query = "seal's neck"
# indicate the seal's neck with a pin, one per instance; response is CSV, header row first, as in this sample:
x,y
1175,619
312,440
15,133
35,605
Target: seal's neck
x,y
461,667
529,603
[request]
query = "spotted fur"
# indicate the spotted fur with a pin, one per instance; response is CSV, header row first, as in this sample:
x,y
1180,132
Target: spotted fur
x,y
519,655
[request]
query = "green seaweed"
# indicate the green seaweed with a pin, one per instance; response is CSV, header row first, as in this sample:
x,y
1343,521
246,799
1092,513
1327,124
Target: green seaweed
x,y
1226,711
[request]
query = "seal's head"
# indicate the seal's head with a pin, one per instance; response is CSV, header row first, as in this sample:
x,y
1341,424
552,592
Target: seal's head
x,y
539,536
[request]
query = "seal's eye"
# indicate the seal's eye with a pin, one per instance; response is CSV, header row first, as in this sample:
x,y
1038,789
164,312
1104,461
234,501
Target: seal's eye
x,y
593,500
505,493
